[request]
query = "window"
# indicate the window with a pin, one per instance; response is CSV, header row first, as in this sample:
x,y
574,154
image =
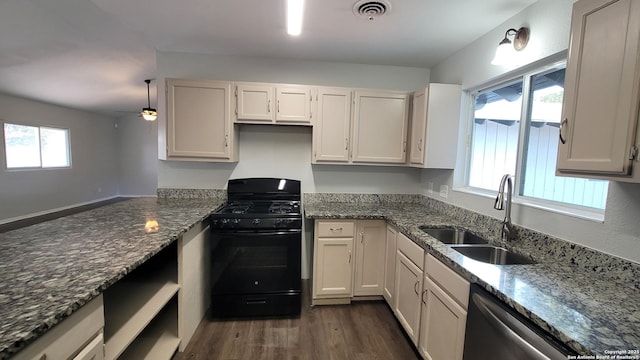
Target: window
x,y
515,131
36,147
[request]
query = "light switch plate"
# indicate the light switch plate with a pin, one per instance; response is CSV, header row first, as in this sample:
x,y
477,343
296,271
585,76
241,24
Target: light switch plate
x,y
444,191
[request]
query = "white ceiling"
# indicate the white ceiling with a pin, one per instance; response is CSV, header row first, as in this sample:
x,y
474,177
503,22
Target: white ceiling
x,y
95,54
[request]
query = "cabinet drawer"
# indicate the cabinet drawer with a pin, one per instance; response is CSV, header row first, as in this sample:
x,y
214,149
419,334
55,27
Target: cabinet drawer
x,y
335,229
411,250
70,336
454,284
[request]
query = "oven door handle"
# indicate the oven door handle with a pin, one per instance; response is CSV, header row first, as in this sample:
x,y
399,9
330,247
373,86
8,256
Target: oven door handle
x,y
257,232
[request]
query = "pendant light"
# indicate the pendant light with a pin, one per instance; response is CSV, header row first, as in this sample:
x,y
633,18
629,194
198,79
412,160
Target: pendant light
x,y
149,113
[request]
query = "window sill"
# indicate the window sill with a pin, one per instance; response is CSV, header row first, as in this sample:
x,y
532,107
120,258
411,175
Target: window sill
x,y
566,210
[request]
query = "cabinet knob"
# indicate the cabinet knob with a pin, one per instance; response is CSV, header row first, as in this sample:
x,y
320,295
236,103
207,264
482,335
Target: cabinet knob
x,y
562,124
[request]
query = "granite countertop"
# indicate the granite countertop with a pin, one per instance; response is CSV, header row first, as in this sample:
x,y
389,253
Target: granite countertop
x,y
588,311
51,269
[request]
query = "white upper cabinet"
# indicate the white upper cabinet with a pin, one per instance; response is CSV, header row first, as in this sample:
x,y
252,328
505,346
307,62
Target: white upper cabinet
x,y
259,103
380,127
199,123
331,128
435,120
293,105
598,133
254,103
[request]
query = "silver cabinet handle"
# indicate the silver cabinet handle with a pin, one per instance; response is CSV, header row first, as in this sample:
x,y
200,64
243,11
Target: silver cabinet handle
x,y
269,105
415,287
346,143
420,144
361,238
226,141
349,256
278,105
422,297
336,229
562,124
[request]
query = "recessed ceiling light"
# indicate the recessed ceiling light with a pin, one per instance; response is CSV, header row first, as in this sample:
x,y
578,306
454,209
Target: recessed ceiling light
x,y
295,9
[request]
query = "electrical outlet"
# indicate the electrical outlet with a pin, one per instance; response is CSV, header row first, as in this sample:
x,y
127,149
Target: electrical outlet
x,y
444,191
430,188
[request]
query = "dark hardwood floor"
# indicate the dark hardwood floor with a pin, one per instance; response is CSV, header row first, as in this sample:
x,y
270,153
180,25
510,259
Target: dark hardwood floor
x,y
362,330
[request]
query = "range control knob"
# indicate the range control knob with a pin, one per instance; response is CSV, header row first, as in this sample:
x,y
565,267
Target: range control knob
x,y
224,222
236,222
255,222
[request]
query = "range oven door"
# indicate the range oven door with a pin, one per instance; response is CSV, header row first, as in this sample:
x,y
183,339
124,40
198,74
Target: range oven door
x,y
255,273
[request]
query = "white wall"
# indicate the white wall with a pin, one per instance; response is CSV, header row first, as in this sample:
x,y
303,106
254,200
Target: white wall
x,y
92,176
285,150
549,22
137,156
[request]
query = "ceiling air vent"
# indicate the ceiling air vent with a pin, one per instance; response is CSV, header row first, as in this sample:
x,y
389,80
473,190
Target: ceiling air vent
x,y
371,9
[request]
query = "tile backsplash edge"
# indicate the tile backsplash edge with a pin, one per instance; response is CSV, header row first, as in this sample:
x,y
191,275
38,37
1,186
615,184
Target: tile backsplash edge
x,y
543,246
170,193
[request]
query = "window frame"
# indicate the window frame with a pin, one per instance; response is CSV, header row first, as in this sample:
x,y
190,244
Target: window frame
x,y
525,75
5,161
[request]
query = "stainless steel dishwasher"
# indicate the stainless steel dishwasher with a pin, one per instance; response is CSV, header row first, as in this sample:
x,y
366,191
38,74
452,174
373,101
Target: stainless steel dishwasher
x,y
497,332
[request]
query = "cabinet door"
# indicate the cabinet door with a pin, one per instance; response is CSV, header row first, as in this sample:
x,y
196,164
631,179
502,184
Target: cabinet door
x,y
332,274
408,291
600,106
370,250
254,103
442,325
434,126
293,105
380,127
199,119
418,126
390,266
331,129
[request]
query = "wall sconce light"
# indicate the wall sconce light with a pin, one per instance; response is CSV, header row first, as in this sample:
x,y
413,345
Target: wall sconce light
x,y
504,53
149,113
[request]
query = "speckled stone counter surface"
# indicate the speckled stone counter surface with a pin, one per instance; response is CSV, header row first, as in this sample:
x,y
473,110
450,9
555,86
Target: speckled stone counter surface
x,y
51,269
588,300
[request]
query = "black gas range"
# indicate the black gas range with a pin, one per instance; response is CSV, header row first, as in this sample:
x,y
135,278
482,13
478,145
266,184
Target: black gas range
x,y
256,249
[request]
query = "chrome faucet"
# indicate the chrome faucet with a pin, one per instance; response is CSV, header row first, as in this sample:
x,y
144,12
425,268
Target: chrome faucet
x,y
508,230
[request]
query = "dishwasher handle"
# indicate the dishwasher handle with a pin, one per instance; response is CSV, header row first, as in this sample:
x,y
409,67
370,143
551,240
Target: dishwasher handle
x,y
534,345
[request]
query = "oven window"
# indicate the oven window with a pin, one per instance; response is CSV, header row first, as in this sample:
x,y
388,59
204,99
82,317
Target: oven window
x,y
255,263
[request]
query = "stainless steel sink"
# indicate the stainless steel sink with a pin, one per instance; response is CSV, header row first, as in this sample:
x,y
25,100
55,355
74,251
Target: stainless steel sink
x,y
492,254
451,236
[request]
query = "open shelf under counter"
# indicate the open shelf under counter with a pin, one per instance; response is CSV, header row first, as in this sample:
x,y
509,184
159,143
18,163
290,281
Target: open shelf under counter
x,y
159,340
133,302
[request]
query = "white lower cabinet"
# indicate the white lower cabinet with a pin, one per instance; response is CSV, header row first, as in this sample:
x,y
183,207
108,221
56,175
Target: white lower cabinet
x,y
333,261
348,260
76,337
390,265
194,264
370,256
408,286
444,312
